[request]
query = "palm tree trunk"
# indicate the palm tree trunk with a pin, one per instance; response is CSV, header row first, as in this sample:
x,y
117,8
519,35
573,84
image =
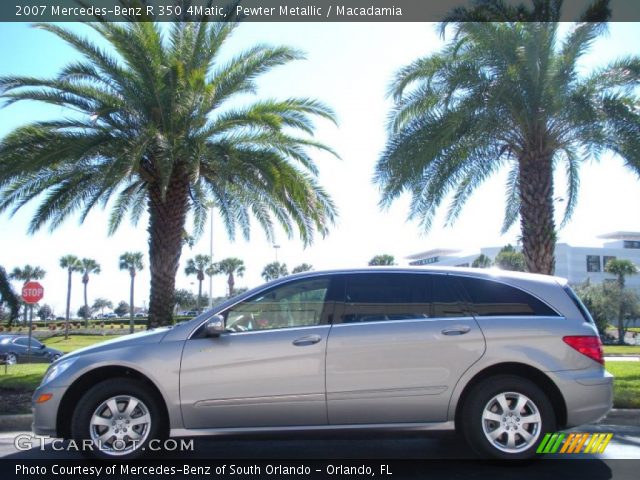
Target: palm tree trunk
x,y
232,283
536,212
131,323
167,218
86,303
199,294
66,321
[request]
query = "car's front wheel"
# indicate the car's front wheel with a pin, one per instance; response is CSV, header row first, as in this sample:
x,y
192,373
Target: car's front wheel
x,y
506,417
11,359
119,418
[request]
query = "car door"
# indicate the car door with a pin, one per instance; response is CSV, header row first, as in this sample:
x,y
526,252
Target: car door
x,y
268,368
20,348
399,344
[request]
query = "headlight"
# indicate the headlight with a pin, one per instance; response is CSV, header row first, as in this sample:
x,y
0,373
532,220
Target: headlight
x,y
56,369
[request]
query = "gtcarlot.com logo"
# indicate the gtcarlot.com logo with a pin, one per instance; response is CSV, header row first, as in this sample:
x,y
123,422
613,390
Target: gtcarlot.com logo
x,y
574,442
28,441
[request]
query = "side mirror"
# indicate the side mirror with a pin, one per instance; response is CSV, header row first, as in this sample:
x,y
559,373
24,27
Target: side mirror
x,y
43,346
214,326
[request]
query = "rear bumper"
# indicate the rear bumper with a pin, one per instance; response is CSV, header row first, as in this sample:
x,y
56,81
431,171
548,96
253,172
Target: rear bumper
x,y
588,394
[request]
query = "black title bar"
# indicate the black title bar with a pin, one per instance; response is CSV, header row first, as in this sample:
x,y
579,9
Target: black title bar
x,y
269,10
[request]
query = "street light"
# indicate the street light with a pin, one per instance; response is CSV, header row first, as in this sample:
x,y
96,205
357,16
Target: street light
x,y
276,247
211,255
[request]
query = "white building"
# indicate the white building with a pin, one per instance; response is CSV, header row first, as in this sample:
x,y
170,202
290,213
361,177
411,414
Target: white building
x,y
577,264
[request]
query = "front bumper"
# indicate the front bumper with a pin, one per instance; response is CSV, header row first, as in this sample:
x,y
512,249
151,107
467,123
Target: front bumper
x,y
588,394
45,414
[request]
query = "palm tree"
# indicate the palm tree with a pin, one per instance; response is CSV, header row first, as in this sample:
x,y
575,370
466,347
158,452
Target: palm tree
x,y
383,259
132,262
72,264
198,266
8,296
621,269
230,267
101,304
89,266
508,258
481,261
153,130
510,95
303,267
24,275
274,270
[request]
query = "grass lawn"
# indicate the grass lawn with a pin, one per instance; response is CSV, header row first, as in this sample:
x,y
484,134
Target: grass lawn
x,y
75,342
24,376
622,349
626,386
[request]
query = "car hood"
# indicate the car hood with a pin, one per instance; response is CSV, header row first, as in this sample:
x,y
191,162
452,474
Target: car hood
x,y
149,336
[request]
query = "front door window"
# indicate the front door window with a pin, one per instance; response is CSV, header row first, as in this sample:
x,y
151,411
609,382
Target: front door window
x,y
296,304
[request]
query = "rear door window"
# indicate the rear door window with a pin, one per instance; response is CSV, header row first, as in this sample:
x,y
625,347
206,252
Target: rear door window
x,y
491,298
379,297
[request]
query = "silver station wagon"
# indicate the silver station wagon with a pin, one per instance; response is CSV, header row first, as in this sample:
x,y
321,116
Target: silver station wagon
x,y
501,357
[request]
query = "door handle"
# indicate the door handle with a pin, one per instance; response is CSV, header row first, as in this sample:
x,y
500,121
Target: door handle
x,y
308,340
456,330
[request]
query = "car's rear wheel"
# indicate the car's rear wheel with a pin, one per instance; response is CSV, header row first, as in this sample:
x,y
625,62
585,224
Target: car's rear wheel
x,y
118,417
506,417
11,359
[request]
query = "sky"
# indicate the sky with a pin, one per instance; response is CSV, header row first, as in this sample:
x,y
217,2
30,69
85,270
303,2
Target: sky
x,y
349,67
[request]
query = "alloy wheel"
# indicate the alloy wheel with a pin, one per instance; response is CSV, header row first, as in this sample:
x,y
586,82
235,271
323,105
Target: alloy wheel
x,y
511,422
120,425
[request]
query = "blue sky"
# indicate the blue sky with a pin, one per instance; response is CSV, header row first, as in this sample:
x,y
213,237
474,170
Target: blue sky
x,y
349,67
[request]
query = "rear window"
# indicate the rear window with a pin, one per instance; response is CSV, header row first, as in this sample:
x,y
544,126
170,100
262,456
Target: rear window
x,y
490,298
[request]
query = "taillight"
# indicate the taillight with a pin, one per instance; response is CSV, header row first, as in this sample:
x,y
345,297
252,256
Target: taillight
x,y
587,345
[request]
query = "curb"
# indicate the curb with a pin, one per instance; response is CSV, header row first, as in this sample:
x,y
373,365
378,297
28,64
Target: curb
x,y
622,416
617,416
11,423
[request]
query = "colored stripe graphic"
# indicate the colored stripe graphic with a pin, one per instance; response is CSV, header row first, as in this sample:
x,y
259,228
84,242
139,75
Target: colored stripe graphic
x,y
554,443
596,445
543,443
582,441
568,443
574,442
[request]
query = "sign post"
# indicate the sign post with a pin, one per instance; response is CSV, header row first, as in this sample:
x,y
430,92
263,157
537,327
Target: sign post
x,y
32,292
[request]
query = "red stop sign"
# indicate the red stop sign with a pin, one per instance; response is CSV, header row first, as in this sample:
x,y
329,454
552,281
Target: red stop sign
x,y
32,292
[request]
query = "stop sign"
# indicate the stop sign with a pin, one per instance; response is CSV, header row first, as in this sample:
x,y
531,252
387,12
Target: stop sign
x,y
32,292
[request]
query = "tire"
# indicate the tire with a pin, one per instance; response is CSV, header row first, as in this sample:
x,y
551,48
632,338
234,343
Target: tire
x,y
128,434
511,432
11,359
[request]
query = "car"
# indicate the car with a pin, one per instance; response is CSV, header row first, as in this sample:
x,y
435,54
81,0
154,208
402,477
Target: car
x,y
16,350
110,315
140,315
501,357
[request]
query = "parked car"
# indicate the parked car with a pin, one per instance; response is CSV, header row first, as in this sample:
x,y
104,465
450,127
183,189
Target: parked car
x,y
502,357
140,315
16,350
